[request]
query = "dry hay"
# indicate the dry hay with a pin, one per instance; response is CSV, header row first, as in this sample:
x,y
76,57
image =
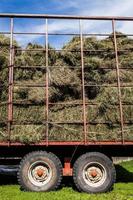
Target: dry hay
x,y
65,80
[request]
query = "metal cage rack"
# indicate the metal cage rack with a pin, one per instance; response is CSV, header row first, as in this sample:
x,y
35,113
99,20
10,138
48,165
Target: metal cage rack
x,y
47,84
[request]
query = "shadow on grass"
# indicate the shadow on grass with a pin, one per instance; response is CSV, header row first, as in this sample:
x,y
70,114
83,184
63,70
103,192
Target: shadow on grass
x,y
68,182
123,176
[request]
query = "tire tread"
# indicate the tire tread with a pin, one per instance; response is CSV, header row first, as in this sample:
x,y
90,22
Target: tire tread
x,y
93,154
44,153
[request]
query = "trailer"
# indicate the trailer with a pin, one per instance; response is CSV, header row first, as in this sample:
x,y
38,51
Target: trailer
x,y
65,147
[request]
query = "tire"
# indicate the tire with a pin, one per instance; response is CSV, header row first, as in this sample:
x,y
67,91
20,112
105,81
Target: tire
x,y
40,171
94,173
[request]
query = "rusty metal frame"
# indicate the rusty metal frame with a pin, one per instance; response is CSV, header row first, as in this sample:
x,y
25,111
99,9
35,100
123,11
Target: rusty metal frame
x,y
47,83
118,80
83,82
10,89
15,15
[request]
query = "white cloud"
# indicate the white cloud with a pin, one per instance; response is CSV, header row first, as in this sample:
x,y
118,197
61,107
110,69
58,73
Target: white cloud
x,y
86,7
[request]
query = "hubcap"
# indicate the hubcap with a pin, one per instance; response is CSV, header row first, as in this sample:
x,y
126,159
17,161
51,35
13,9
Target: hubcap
x,y
39,173
94,174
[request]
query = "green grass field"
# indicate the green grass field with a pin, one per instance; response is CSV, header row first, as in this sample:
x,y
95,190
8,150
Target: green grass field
x,y
123,189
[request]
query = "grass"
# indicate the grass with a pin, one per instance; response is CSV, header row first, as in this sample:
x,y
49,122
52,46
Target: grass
x,y
123,189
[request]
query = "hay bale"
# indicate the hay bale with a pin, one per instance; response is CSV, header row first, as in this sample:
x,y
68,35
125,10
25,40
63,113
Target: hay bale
x,y
29,113
126,60
125,77
59,78
65,132
102,132
3,113
27,133
65,82
127,95
128,113
128,132
3,133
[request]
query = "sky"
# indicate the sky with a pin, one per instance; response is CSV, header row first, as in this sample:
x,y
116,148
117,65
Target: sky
x,y
65,7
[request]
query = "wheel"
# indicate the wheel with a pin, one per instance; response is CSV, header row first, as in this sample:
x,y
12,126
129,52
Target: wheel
x,y
40,171
94,173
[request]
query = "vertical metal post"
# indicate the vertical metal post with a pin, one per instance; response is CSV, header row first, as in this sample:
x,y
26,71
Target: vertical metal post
x,y
47,83
118,80
83,84
10,83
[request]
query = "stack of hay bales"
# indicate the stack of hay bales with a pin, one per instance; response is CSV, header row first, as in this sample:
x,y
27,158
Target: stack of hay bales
x,y
30,116
4,55
65,80
105,119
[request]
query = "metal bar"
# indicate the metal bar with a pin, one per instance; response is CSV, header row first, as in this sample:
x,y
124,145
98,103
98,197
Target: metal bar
x,y
62,34
44,67
16,15
10,89
87,103
41,85
71,67
30,85
39,49
75,51
47,83
65,122
109,85
88,51
118,81
83,82
14,122
26,102
69,143
30,67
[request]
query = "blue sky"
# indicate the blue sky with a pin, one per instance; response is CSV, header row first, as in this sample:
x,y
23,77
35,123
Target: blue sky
x,y
81,7
68,7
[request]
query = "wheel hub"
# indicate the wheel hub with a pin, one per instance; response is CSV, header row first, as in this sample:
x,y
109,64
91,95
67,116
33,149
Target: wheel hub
x,y
39,174
94,174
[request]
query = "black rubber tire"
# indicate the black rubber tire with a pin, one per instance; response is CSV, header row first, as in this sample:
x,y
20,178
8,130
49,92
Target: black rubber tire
x,y
49,158
97,157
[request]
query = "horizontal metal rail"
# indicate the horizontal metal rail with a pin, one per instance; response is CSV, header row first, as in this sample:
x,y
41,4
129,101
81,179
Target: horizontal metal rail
x,y
53,123
63,34
15,15
73,67
70,143
26,102
69,50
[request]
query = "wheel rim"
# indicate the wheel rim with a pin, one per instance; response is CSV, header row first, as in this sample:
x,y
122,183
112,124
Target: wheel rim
x,y
39,173
94,174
